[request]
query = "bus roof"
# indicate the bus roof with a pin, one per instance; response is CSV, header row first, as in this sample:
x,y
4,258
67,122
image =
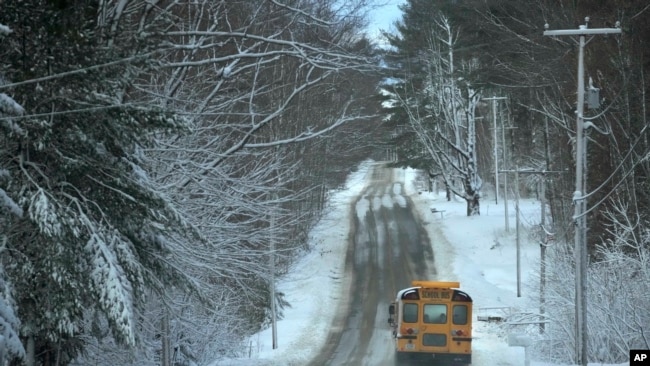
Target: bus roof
x,y
435,284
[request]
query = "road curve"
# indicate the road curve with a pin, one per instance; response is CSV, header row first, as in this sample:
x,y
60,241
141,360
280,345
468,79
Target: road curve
x,y
388,248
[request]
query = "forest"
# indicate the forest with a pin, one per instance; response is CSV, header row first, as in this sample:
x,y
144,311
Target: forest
x,y
161,161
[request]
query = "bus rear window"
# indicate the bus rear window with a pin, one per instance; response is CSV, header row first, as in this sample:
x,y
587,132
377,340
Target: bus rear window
x,y
435,313
410,313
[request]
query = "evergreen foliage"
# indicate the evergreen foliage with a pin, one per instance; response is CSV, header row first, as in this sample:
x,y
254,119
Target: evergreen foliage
x,y
439,98
93,233
141,148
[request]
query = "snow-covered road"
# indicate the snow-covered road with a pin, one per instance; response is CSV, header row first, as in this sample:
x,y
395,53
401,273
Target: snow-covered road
x,y
388,247
476,251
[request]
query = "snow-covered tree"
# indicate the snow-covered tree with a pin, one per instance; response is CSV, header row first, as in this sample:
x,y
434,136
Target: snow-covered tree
x,y
10,346
93,231
617,295
151,164
440,105
225,172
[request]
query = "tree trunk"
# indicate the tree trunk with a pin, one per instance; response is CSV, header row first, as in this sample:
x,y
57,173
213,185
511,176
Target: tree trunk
x,y
166,340
473,205
30,350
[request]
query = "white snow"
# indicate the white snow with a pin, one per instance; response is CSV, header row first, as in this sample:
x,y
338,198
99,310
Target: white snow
x,y
7,203
10,344
478,252
9,106
4,30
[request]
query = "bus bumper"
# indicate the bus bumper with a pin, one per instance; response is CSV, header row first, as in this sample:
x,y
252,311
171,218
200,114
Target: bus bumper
x,y
442,358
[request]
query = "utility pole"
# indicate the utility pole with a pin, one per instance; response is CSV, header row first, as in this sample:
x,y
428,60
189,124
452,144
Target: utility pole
x,y
518,171
579,195
494,141
505,177
518,242
274,328
517,226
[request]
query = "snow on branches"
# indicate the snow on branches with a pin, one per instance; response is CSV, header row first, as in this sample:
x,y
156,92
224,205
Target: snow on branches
x,y
4,30
10,107
6,203
10,345
111,284
44,213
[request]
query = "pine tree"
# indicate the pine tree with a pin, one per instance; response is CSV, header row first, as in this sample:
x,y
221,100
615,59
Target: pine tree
x,y
439,99
10,345
94,233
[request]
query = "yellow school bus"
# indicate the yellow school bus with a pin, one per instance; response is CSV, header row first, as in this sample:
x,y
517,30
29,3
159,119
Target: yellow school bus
x,y
432,320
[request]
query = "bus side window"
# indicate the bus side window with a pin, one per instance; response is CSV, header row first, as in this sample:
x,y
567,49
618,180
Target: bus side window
x,y
460,314
410,314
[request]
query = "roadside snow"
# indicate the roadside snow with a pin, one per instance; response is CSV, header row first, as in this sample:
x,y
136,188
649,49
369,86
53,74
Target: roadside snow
x,y
478,252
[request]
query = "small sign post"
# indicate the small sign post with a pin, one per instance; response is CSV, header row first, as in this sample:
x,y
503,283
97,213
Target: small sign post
x,y
521,340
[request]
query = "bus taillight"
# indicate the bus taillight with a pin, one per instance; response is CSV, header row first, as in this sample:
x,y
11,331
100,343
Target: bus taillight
x,y
409,331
